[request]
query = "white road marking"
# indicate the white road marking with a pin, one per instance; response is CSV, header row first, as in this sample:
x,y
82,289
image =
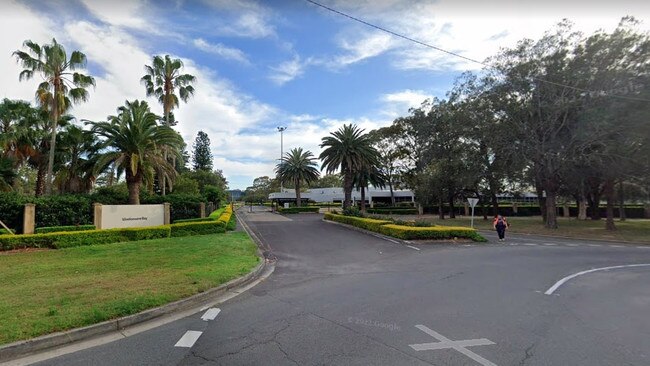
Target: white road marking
x,y
412,247
188,339
617,246
211,314
572,245
459,346
594,245
468,245
567,278
643,247
530,244
550,244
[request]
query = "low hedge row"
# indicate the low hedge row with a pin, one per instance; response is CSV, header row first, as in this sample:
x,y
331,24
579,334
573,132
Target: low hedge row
x,y
391,211
225,216
4,231
433,232
58,240
197,228
361,222
407,232
232,223
295,210
80,238
59,229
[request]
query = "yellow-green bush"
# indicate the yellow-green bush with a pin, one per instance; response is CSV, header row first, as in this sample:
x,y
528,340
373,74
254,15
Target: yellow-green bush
x,y
433,232
197,228
361,222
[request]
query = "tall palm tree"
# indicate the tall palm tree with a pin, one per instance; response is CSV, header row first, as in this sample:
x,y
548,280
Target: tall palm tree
x,y
135,144
61,86
366,176
297,166
162,78
349,150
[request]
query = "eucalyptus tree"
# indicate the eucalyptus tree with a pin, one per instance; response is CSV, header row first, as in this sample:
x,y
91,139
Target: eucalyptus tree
x,y
163,79
62,85
297,166
349,150
391,155
135,143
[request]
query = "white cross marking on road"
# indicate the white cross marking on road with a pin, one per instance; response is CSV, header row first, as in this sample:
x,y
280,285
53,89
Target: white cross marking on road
x,y
459,346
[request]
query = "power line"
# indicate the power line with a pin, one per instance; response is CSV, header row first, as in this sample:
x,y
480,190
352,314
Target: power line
x,y
421,43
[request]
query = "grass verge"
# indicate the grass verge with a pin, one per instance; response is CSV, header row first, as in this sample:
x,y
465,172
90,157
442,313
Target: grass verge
x,y
634,230
53,290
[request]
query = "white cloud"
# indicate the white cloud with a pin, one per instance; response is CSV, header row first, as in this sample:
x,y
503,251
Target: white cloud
x,y
398,103
361,48
120,13
251,21
221,50
287,71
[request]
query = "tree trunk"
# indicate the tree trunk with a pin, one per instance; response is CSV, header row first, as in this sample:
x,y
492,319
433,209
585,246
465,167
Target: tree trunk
x,y
608,190
40,180
133,183
495,203
363,199
347,189
452,208
541,200
50,159
621,198
441,208
392,194
298,198
582,208
593,198
551,209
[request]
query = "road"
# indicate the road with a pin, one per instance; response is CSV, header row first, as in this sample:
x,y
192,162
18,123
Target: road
x,y
342,297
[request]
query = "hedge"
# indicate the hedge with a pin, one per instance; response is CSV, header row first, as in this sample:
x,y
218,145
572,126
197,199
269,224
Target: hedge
x,y
432,232
81,238
197,228
232,223
4,231
407,232
393,210
225,216
58,229
364,223
295,210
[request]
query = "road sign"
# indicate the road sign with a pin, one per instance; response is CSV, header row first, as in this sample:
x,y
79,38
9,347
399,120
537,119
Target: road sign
x,y
472,202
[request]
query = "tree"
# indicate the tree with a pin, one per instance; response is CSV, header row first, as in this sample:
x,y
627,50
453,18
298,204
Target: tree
x,y
77,151
364,177
162,79
348,150
202,155
135,143
391,153
327,181
297,166
60,88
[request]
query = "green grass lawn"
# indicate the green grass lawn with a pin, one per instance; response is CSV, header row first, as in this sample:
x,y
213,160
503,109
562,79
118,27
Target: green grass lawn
x,y
47,291
635,230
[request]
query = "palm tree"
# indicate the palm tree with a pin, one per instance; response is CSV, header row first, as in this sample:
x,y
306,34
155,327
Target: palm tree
x,y
349,150
161,80
78,149
61,86
297,166
364,177
136,144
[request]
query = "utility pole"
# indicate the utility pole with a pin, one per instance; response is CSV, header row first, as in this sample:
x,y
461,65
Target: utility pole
x,y
281,129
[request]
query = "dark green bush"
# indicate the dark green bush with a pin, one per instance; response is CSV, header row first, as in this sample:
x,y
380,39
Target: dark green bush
x,y
432,232
58,229
63,210
364,223
197,228
232,223
12,207
200,219
393,211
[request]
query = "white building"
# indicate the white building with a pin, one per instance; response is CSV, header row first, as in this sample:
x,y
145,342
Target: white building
x,y
373,195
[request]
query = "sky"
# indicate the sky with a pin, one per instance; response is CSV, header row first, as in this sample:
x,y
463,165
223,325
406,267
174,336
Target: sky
x,y
264,64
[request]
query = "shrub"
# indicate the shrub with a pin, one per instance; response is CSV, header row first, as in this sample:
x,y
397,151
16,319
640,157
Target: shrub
x,y
182,206
232,224
215,215
431,232
200,219
12,206
4,231
364,223
63,210
352,211
295,210
197,228
393,211
80,238
58,229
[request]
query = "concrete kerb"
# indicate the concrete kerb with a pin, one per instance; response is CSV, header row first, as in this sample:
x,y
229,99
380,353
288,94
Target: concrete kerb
x,y
25,348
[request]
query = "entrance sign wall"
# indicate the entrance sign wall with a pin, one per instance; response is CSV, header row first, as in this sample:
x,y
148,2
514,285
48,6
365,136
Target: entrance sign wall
x,y
121,216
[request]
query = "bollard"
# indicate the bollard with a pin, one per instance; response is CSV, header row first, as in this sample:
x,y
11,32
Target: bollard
x,y
97,215
202,209
29,218
167,213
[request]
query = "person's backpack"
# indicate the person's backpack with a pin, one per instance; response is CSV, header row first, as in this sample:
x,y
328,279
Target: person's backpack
x,y
501,222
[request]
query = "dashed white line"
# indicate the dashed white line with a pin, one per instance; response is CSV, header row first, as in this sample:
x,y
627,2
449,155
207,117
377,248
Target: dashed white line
x,y
188,339
550,244
211,314
572,245
467,245
617,246
530,244
412,247
594,245
643,247
567,278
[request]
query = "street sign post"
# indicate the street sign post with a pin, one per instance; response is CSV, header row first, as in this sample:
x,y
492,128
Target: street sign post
x,y
472,203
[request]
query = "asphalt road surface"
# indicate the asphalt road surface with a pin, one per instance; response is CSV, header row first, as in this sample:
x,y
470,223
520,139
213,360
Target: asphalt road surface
x,y
342,297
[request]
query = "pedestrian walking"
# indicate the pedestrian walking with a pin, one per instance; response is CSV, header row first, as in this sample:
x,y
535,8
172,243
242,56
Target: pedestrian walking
x,y
500,224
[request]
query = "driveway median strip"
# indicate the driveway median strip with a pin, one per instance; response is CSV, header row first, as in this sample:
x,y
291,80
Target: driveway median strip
x,y
188,339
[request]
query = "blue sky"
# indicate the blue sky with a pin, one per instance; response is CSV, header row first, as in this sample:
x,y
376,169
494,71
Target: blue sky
x,y
261,64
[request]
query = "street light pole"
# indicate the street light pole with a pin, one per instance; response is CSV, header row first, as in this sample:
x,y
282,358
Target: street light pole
x,y
281,129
